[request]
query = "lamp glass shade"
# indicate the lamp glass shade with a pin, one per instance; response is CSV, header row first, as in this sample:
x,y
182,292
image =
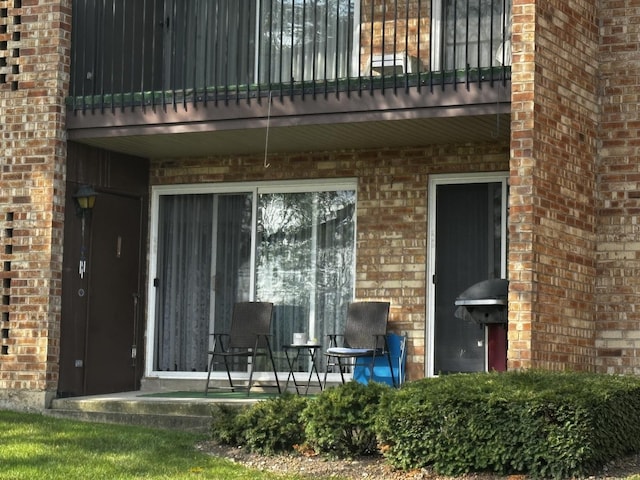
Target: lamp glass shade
x,y
86,197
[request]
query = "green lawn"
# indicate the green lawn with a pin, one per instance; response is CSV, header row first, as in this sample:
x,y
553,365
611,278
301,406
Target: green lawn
x,y
33,446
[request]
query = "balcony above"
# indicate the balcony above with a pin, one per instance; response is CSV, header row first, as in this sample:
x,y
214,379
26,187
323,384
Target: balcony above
x,y
169,78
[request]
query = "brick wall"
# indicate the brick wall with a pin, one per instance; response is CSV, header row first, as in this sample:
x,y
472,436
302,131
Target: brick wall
x,y
392,213
34,49
618,288
553,182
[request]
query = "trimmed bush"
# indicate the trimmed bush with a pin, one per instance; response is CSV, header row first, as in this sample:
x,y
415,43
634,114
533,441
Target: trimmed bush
x,y
226,424
273,425
266,427
341,420
543,424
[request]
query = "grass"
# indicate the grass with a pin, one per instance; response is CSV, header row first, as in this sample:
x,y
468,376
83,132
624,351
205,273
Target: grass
x,y
35,446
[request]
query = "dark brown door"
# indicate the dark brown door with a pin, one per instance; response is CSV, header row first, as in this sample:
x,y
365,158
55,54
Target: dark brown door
x,y
113,316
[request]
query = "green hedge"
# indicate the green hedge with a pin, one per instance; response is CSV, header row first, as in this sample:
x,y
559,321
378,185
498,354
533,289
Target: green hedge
x,y
267,427
542,424
341,421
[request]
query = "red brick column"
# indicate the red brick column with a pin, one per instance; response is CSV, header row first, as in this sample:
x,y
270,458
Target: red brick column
x,y
618,336
553,185
34,75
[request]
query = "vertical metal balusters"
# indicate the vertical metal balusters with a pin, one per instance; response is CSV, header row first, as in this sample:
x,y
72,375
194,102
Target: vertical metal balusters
x,y
339,48
280,55
371,35
303,52
314,65
419,44
293,49
407,6
467,29
143,54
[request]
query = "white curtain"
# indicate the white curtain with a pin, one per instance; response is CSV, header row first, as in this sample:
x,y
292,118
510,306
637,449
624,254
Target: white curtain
x,y
204,255
184,282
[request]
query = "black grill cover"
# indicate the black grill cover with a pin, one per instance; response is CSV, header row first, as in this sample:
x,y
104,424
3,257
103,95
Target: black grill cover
x,y
484,302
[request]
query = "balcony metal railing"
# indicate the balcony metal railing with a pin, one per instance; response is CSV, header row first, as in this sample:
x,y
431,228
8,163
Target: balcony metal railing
x,y
163,53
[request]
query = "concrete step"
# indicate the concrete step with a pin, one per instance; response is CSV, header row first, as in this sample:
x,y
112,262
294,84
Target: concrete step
x,y
131,408
184,423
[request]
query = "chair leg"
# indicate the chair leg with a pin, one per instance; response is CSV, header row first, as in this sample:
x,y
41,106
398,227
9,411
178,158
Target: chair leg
x,y
206,387
226,366
253,363
273,365
340,368
387,351
326,371
372,365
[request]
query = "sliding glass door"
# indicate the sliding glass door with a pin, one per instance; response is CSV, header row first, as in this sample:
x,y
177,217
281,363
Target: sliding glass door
x,y
278,244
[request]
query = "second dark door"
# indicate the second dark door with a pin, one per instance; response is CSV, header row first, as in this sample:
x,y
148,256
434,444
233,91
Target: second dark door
x,y
468,245
113,317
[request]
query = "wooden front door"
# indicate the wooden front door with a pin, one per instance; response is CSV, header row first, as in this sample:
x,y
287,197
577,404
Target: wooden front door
x,y
113,316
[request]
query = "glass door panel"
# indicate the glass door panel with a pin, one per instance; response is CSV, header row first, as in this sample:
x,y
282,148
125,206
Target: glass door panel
x,y
305,261
204,265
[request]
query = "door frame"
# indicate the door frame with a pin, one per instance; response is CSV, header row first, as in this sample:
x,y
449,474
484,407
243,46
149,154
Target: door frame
x,y
453,179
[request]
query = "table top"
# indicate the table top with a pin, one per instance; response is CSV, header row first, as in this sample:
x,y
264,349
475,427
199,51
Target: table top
x,y
303,345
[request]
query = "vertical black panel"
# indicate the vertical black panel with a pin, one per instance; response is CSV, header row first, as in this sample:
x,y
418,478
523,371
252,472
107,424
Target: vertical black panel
x,y
466,240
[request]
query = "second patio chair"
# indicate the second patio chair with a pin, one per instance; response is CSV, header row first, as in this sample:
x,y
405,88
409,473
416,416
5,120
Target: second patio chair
x,y
249,338
365,337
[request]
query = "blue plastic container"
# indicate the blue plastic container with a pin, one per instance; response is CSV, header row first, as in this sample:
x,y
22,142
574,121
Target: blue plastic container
x,y
381,371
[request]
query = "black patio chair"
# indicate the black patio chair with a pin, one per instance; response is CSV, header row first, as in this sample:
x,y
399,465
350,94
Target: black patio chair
x,y
249,337
365,337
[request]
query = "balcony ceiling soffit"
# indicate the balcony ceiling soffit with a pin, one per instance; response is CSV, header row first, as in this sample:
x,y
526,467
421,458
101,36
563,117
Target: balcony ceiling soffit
x,y
307,138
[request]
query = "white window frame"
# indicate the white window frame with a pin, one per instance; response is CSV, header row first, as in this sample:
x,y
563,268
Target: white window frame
x,y
255,188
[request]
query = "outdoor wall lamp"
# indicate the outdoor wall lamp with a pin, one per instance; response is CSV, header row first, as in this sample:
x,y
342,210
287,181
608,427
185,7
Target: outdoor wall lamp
x,y
85,199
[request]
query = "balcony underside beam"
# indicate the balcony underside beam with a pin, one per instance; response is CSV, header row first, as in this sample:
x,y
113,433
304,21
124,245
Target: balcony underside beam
x,y
410,117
